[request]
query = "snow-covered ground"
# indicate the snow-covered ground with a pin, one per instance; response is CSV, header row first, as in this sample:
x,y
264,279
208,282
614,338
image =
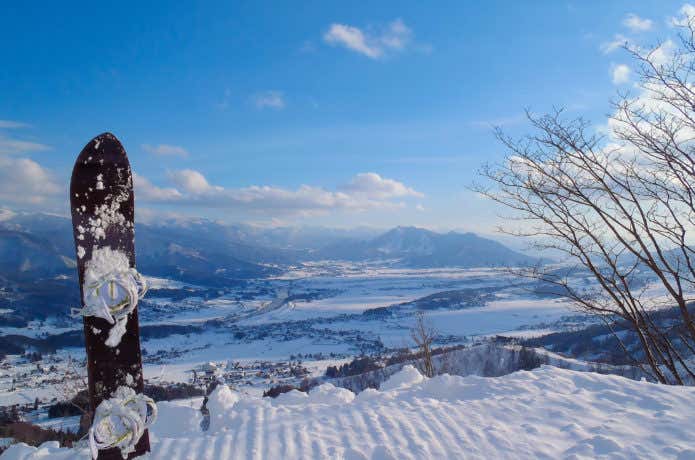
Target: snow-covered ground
x,y
547,413
323,317
342,288
346,288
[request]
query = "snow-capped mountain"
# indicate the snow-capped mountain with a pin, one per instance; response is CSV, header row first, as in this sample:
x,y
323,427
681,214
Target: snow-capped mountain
x,y
192,250
200,254
418,247
405,241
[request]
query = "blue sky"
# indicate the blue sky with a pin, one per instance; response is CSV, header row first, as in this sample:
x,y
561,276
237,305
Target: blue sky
x,y
338,114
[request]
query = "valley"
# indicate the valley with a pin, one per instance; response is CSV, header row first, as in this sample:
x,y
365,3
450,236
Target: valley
x,y
319,314
257,308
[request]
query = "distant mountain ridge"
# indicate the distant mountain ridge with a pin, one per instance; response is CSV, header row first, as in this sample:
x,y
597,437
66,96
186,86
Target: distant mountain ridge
x,y
421,248
197,255
23,255
206,252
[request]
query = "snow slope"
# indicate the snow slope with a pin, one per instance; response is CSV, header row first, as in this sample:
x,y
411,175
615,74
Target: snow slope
x,y
546,413
485,360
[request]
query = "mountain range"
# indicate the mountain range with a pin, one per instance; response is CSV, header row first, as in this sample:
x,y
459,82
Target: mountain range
x,y
206,252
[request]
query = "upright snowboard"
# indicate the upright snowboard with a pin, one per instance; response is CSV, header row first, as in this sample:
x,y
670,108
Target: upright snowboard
x,y
102,204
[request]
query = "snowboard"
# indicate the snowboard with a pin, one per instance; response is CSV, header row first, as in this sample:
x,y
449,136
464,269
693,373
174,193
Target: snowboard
x,y
102,205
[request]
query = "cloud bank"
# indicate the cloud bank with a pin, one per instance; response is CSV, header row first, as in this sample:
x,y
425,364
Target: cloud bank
x,y
363,192
22,180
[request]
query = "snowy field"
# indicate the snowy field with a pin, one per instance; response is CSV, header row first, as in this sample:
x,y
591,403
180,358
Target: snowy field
x,y
338,294
335,289
547,413
314,310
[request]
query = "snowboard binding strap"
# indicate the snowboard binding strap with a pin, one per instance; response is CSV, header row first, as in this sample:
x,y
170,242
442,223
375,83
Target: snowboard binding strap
x,y
120,421
112,296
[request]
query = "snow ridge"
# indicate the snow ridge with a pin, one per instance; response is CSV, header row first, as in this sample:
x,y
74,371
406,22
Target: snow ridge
x,y
545,413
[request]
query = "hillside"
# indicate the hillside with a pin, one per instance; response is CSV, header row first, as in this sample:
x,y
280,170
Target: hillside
x,y
421,248
24,255
545,413
195,253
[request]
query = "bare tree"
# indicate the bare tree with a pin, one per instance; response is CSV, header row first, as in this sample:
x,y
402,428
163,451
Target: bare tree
x,y
621,204
423,334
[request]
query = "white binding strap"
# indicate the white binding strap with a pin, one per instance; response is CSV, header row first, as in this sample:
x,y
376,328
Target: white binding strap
x,y
120,421
112,296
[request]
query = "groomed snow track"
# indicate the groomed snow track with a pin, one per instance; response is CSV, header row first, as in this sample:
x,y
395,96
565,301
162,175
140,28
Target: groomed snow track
x,y
548,413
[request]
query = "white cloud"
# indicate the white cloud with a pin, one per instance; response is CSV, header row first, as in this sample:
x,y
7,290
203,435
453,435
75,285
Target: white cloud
x,y
305,200
687,13
651,99
10,146
165,150
352,38
621,74
191,181
374,186
269,99
9,124
24,181
365,191
618,42
146,191
663,53
396,36
636,23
